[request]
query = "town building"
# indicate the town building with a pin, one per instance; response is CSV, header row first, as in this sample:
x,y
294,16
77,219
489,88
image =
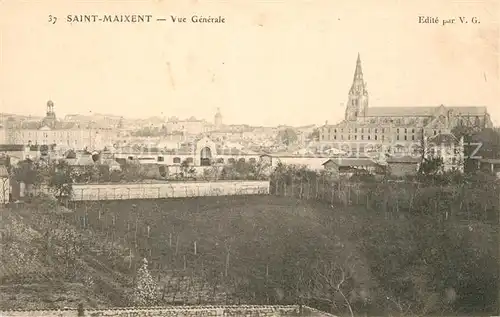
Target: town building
x,y
387,128
50,130
448,148
353,166
190,126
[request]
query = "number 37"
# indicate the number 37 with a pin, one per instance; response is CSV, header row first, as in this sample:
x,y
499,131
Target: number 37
x,y
52,19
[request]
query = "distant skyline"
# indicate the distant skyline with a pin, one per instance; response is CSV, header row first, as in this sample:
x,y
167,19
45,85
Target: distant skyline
x,y
271,63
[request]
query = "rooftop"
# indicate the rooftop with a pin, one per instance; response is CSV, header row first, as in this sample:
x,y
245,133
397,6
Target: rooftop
x,y
422,111
443,138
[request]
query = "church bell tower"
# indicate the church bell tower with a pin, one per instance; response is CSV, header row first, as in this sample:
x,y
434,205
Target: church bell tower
x,y
358,95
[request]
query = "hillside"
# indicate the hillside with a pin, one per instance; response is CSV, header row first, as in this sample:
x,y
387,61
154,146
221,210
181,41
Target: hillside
x,y
246,249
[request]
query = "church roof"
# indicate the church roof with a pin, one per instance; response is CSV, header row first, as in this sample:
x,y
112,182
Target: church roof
x,y
421,111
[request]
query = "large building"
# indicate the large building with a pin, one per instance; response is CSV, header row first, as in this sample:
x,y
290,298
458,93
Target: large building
x,y
386,128
50,130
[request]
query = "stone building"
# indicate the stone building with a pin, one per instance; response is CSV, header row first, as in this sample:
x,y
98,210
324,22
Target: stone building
x,y
190,126
447,147
50,130
386,128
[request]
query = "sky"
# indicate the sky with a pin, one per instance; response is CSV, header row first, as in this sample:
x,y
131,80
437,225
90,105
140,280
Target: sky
x,y
272,62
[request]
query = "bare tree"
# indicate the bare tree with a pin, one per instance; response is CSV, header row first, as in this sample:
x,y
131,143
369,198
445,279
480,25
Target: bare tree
x,y
332,280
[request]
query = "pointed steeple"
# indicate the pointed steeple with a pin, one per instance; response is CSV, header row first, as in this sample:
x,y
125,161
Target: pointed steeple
x,y
358,84
359,72
358,94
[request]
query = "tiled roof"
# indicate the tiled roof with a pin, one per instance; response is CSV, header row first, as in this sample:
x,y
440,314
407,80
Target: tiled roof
x,y
352,162
421,111
400,111
59,125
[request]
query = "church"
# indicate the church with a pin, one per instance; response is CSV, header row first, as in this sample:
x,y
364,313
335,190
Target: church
x,y
383,128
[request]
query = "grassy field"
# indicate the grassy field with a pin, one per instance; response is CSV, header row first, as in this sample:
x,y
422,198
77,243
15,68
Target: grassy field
x,y
242,249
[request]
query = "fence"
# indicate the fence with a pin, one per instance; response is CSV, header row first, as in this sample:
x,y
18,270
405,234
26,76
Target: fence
x,y
188,311
322,190
464,201
85,192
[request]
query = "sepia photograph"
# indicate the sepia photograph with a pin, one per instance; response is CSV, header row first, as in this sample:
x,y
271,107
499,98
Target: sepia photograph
x,y
249,158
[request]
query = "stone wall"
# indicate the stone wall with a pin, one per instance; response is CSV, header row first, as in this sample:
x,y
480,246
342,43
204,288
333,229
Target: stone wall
x,y
187,311
167,190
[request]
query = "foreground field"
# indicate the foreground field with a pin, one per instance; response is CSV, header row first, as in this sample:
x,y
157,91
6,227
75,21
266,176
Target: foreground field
x,y
247,249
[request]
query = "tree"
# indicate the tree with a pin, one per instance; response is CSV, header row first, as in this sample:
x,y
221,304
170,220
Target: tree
x,y
431,166
187,171
287,136
26,172
314,136
61,181
145,292
81,310
71,154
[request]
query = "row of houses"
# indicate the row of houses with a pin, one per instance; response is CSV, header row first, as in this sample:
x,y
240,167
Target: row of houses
x,y
205,153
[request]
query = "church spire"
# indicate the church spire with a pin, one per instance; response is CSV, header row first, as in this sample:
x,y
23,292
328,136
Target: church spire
x,y
358,84
358,94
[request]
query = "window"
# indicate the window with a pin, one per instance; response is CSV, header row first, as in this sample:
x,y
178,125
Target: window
x,y
189,160
368,137
435,132
362,137
406,131
355,137
375,136
405,137
413,138
335,130
397,130
349,137
241,160
253,160
161,159
335,137
177,160
376,131
231,161
355,130
383,138
397,137
412,130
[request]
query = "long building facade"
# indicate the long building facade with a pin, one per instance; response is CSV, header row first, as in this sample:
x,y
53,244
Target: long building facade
x,y
379,128
50,131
